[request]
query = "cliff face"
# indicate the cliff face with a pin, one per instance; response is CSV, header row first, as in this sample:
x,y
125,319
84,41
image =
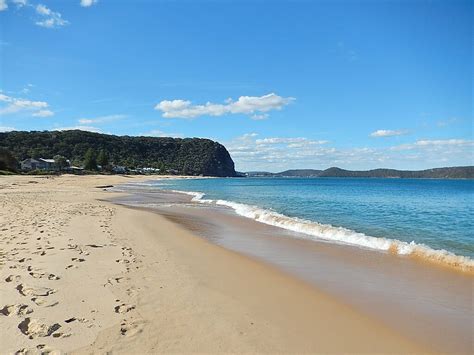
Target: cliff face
x,y
193,156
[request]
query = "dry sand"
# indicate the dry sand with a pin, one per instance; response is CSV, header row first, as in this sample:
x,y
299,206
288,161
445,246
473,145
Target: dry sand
x,y
81,275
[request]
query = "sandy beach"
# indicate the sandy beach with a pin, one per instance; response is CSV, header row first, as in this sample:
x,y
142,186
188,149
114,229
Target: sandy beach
x,y
82,275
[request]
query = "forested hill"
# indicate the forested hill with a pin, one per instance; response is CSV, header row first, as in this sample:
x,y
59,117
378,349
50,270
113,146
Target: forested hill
x,y
191,156
459,172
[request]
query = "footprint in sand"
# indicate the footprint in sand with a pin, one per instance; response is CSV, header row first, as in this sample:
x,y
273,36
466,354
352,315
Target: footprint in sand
x,y
130,329
34,328
124,308
13,278
78,260
42,301
40,349
16,310
122,261
34,291
95,245
38,275
40,252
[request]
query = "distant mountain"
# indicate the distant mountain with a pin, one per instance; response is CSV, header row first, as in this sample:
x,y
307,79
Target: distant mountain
x,y
189,156
459,172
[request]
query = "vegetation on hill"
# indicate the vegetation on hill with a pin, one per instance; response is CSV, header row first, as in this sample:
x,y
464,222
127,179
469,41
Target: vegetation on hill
x,y
459,172
190,156
7,160
300,172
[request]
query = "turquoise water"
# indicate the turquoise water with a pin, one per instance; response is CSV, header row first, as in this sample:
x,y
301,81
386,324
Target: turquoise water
x,y
435,213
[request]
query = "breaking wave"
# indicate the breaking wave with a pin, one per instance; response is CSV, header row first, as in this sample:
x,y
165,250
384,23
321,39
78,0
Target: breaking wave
x,y
341,235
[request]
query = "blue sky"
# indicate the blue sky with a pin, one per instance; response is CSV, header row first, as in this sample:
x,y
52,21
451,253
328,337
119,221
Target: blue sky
x,y
282,84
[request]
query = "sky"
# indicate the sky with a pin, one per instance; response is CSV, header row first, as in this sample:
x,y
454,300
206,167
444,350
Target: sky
x,y
283,84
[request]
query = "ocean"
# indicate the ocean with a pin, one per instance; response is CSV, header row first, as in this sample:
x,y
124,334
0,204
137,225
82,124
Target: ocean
x,y
379,245
401,215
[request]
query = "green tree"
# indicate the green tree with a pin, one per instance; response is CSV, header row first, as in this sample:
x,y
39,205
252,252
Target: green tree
x,y
162,168
103,159
60,162
90,162
7,160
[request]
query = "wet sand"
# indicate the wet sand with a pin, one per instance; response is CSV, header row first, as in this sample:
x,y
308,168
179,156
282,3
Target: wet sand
x,y
82,275
427,303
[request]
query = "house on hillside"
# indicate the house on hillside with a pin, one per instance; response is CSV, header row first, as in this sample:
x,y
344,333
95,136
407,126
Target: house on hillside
x,y
38,164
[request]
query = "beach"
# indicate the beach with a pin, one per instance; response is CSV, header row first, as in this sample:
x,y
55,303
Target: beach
x,y
80,274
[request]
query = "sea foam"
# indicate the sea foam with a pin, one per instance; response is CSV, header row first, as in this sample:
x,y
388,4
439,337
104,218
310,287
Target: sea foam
x,y
341,235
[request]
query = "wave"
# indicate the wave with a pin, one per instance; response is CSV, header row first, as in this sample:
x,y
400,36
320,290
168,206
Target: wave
x,y
341,235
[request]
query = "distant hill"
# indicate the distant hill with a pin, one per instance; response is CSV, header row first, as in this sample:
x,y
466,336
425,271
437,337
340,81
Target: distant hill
x,y
459,172
190,156
259,174
300,173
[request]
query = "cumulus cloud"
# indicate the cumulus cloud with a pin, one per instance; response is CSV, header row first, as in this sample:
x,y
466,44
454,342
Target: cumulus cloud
x,y
11,105
51,19
101,119
256,106
388,133
88,3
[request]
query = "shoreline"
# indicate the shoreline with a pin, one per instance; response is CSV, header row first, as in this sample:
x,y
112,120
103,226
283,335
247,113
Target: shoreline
x,y
390,288
315,231
162,289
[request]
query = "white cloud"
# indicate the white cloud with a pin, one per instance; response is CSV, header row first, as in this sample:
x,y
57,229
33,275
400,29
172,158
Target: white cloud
x,y
14,105
249,105
388,133
3,5
88,3
6,129
20,3
101,119
51,19
443,142
434,144
293,141
158,133
48,18
277,154
43,10
43,113
80,127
